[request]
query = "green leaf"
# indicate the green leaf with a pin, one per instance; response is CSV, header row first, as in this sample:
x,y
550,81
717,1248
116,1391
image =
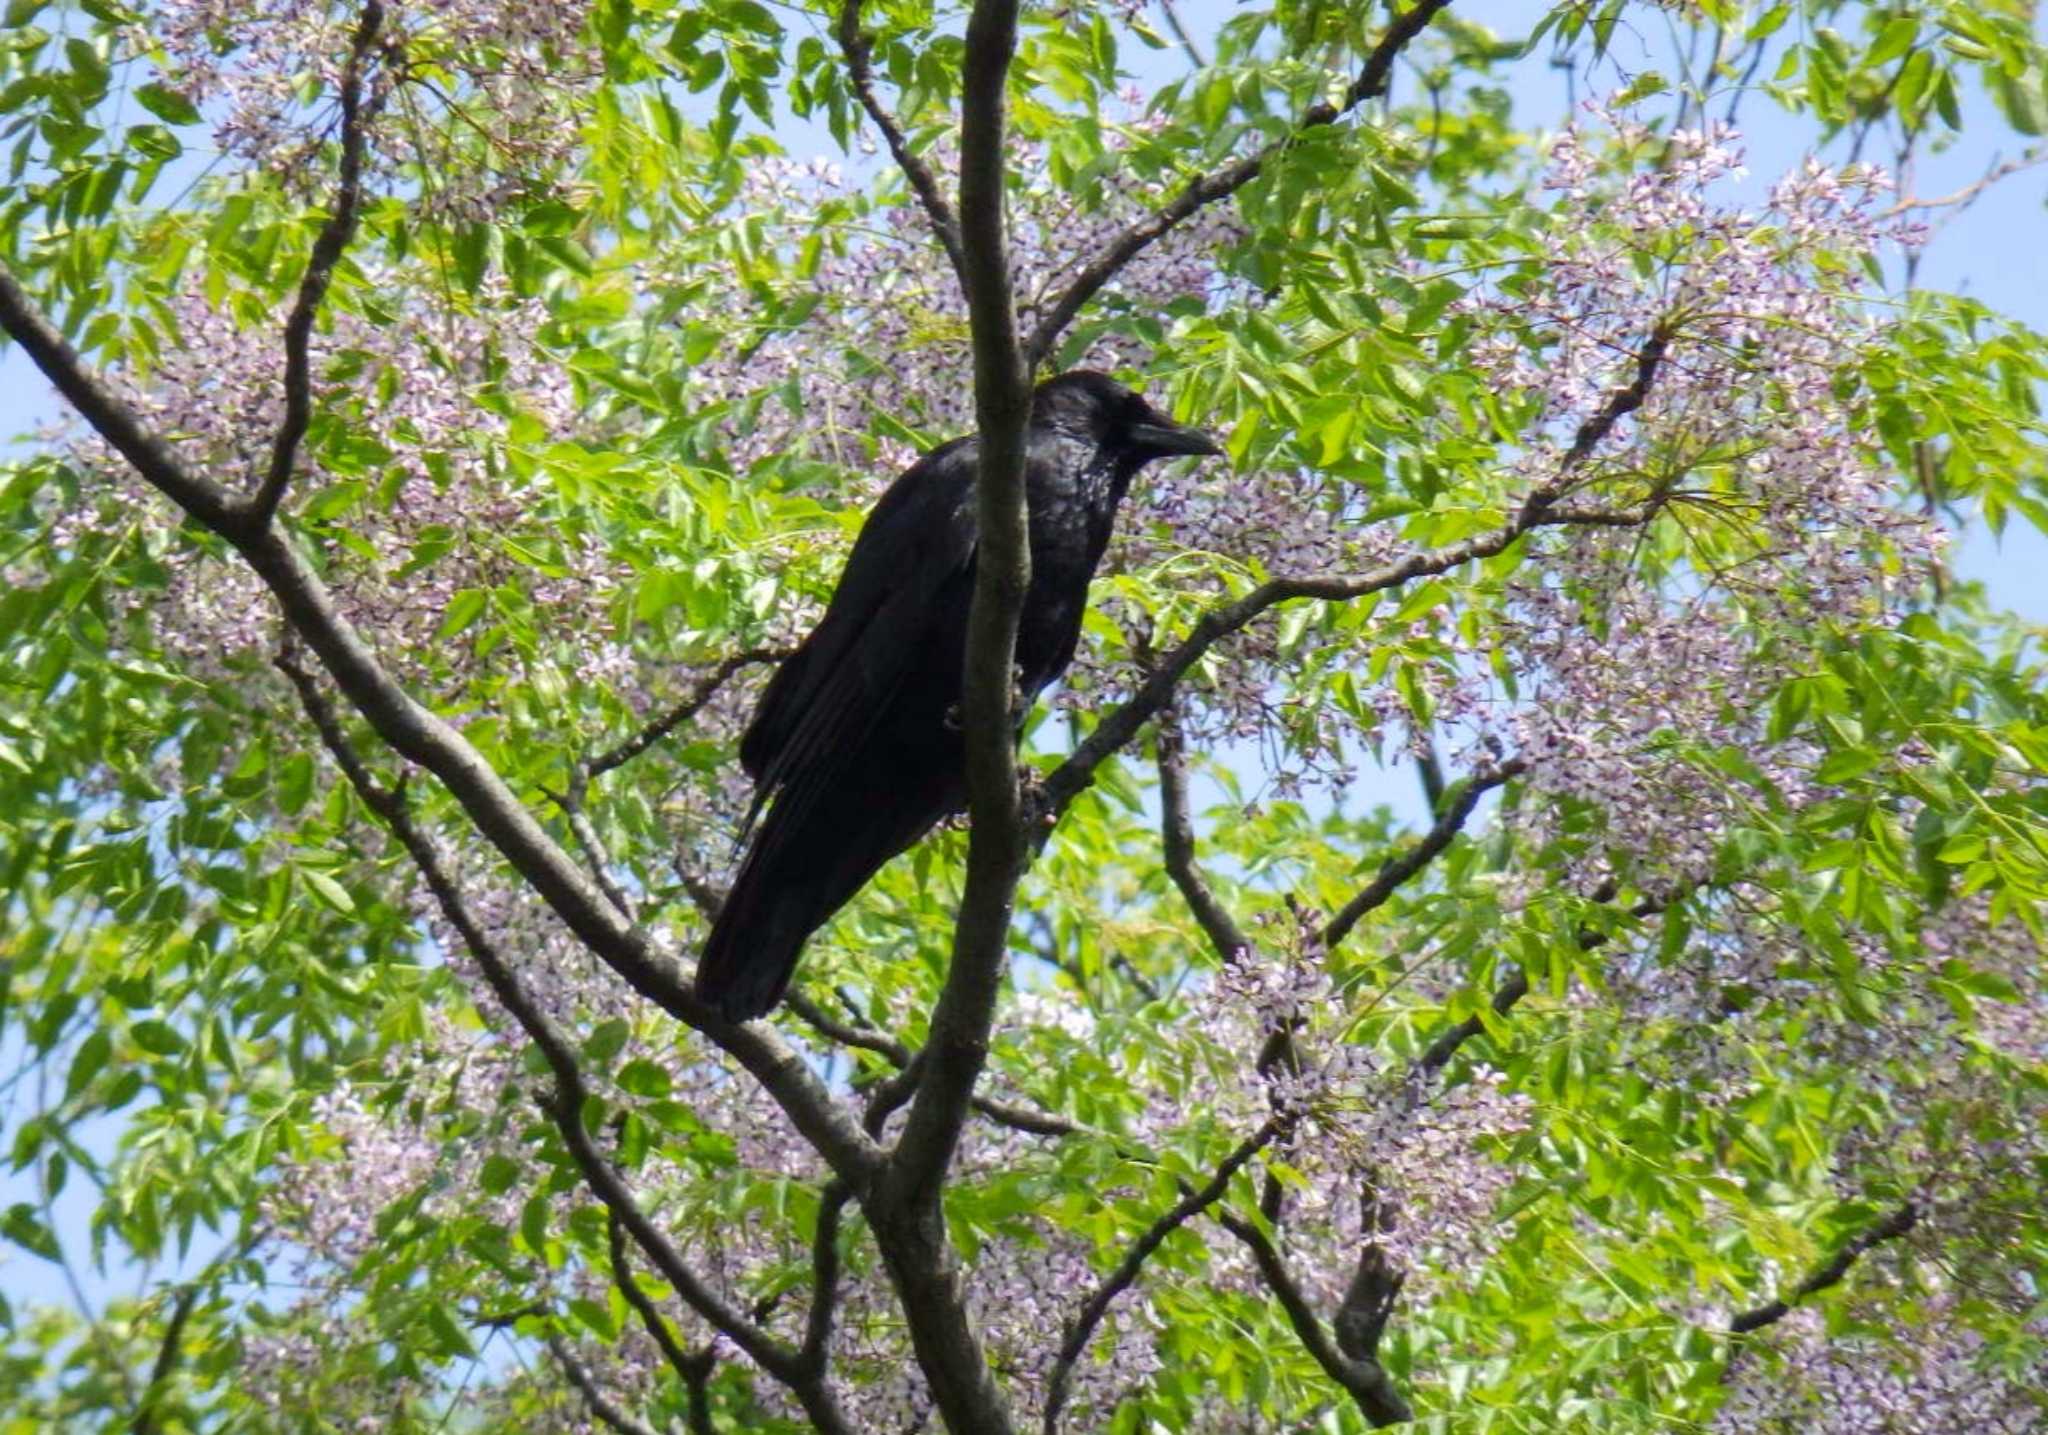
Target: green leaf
x,y
463,609
606,1041
330,892
500,1174
158,1038
21,1225
87,1062
166,104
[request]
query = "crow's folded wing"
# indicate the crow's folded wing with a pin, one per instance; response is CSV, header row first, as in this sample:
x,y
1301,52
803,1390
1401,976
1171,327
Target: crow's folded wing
x,y
901,581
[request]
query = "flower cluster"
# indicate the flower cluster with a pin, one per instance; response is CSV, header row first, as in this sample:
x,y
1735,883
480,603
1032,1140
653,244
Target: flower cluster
x,y
422,410
1747,446
1928,1376
272,72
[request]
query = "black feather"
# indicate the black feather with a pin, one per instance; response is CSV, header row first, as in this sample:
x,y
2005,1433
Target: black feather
x,y
854,749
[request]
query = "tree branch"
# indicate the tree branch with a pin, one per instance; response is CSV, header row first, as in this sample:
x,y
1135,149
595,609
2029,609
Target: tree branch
x,y
1206,189
996,852
145,1422
693,703
1397,870
1018,1117
1365,1380
858,48
571,1094
1891,1228
110,416
824,1274
422,737
693,1367
1177,839
608,1414
1191,1204
333,240
1517,986
1368,1302
904,1213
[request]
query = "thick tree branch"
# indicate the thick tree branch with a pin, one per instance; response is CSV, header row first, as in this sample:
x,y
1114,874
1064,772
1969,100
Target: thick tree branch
x,y
1207,189
1191,1204
1377,1282
996,852
904,1210
1891,1228
1397,870
424,738
1539,510
110,416
1365,1380
571,1093
858,49
1177,839
328,248
599,1404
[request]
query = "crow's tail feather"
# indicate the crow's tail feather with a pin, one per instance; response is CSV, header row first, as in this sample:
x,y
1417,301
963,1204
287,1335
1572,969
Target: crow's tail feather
x,y
753,946
818,843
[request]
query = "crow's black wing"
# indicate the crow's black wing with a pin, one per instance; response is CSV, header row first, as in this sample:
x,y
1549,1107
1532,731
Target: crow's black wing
x,y
917,542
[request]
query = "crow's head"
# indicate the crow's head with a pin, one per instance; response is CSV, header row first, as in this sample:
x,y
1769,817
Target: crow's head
x,y
1085,402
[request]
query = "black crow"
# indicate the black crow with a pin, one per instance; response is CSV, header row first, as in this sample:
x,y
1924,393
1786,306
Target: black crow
x,y
856,749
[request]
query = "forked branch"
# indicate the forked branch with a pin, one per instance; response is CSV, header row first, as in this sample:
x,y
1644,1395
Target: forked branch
x,y
1540,509
1363,1379
423,737
1426,849
1191,1204
571,1093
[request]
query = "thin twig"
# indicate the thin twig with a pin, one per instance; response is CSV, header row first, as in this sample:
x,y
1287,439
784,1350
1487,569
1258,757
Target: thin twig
x,y
693,703
167,1352
1891,1228
899,1055
1166,8
600,1404
1517,986
328,248
1967,195
1397,870
1191,1204
595,860
693,1367
1177,841
1206,189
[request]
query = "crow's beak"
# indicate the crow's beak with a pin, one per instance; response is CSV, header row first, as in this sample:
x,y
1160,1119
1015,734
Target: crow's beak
x,y
1165,437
